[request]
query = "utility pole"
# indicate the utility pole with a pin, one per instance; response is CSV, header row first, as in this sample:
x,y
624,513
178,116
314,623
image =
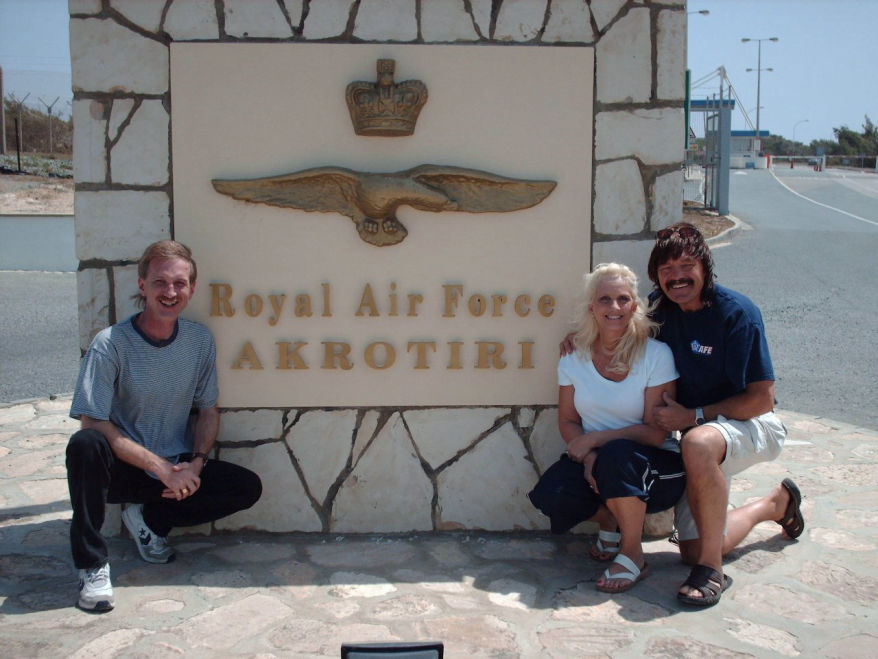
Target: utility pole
x,y
49,112
2,117
18,129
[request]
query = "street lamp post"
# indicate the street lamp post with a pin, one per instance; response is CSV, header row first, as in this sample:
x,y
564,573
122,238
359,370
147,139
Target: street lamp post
x,y
796,125
759,71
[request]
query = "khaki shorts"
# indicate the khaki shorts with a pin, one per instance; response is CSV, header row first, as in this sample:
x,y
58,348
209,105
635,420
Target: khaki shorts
x,y
747,443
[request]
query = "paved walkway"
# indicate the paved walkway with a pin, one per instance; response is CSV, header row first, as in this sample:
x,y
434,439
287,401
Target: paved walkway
x,y
484,595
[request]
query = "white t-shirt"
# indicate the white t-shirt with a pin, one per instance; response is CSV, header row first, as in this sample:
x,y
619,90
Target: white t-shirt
x,y
606,405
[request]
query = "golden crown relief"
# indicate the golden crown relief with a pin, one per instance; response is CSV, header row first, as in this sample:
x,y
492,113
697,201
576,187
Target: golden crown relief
x,y
385,108
388,109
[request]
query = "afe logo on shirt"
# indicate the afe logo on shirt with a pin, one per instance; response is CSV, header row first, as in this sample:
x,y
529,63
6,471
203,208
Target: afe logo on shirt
x,y
699,349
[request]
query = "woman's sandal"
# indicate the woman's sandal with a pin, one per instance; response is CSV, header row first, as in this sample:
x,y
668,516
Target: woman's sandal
x,y
708,582
632,575
601,553
792,522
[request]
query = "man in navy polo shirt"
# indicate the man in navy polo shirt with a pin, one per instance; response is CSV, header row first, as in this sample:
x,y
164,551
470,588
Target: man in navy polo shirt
x,y
724,407
146,400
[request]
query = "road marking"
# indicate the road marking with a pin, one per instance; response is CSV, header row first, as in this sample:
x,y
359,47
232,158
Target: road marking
x,y
832,208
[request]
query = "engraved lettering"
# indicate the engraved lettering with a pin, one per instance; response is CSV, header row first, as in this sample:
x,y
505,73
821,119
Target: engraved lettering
x,y
335,355
220,300
367,302
288,357
277,303
421,361
253,305
452,292
370,357
490,355
247,356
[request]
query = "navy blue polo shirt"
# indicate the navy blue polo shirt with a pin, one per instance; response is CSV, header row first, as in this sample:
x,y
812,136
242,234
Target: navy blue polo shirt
x,y
718,349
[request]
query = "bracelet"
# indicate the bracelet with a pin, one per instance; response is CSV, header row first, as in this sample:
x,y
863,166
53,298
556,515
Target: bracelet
x,y
204,457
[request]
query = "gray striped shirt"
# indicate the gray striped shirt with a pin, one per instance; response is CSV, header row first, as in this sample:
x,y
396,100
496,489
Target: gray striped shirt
x,y
148,389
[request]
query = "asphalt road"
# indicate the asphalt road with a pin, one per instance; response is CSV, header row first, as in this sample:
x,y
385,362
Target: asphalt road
x,y
39,335
813,272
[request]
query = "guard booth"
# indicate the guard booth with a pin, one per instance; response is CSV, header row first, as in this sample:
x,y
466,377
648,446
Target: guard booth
x,y
716,159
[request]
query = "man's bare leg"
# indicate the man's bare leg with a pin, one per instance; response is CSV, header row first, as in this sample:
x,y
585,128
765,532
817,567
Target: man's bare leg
x,y
740,521
704,449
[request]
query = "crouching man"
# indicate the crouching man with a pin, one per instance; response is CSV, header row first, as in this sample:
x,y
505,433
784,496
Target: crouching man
x,y
146,399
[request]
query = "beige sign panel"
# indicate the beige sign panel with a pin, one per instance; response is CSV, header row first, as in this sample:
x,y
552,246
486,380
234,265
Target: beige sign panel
x,y
469,308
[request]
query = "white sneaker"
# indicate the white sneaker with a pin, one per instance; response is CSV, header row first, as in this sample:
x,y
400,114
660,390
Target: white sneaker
x,y
95,589
153,548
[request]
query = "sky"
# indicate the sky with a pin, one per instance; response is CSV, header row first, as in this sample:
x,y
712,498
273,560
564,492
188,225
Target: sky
x,y
823,62
35,53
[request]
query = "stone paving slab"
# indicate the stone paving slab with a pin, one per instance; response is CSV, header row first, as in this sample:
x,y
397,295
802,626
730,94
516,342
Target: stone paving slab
x,y
483,594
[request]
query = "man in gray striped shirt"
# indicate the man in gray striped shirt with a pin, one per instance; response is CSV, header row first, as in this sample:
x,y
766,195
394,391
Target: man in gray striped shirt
x,y
146,399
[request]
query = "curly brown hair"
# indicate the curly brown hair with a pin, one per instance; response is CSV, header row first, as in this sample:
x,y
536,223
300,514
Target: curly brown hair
x,y
672,243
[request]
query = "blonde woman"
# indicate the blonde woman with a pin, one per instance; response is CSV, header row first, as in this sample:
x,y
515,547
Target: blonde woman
x,y
618,465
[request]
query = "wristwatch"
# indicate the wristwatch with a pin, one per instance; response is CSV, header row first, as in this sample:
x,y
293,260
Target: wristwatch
x,y
204,458
699,417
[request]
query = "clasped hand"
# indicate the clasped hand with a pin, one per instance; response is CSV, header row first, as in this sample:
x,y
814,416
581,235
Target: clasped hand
x,y
181,482
582,450
672,416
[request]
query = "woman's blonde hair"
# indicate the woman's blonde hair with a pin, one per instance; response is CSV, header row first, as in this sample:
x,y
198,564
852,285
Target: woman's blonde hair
x,y
633,342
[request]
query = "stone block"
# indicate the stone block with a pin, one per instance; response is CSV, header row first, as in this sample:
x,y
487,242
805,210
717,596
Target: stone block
x,y
620,201
124,288
365,503
659,525
570,21
526,417
633,253
112,520
256,18
221,627
321,442
367,429
192,20
284,505
294,9
623,60
326,20
519,21
89,142
250,425
147,15
141,155
472,495
107,57
79,7
386,20
482,15
671,56
605,11
652,136
118,225
440,434
667,200
120,110
545,439
446,21
93,294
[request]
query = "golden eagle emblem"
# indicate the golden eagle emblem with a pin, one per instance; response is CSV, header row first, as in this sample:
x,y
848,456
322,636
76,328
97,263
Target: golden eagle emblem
x,y
371,199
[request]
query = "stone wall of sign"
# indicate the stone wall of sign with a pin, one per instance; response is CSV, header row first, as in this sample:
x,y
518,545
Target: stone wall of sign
x,y
369,469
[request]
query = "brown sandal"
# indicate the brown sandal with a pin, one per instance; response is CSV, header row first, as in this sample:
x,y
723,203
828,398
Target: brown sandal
x,y
709,582
792,521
